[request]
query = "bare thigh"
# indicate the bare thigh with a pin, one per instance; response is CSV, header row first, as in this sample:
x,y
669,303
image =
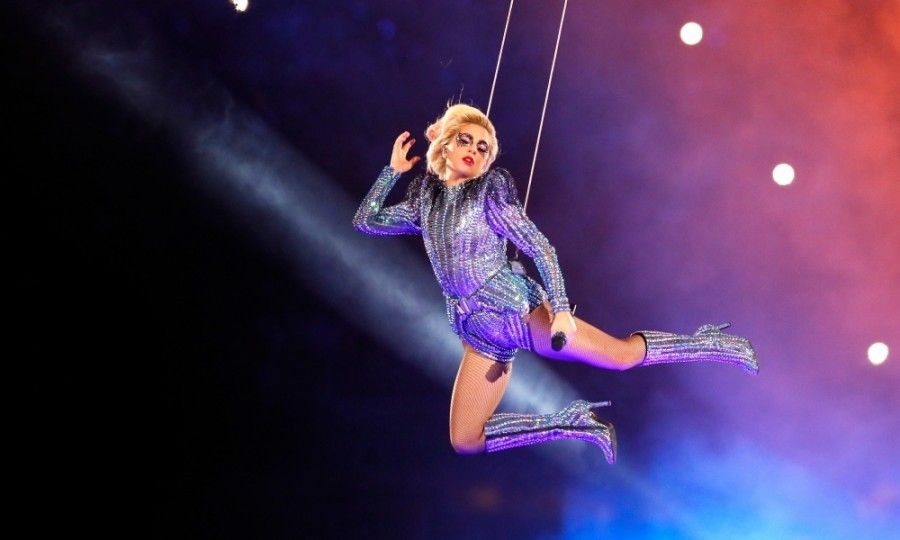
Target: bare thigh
x,y
589,345
479,387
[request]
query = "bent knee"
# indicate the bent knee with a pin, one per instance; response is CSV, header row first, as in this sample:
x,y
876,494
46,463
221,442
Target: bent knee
x,y
466,443
632,352
625,361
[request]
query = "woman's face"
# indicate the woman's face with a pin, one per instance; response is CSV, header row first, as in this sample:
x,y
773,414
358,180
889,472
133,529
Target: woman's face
x,y
467,152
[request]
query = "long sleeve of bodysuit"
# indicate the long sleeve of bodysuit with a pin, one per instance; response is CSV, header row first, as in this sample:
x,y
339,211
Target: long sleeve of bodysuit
x,y
507,218
402,218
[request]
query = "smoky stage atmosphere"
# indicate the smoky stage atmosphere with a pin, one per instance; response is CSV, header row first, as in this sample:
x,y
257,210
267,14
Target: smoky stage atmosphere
x,y
218,353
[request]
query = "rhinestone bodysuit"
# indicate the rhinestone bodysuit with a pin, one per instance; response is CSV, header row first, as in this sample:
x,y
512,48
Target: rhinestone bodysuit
x,y
465,229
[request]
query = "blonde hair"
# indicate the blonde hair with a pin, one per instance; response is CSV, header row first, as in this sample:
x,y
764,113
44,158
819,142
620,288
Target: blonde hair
x,y
445,128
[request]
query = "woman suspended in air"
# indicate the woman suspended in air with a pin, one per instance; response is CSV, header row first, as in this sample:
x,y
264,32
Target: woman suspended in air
x,y
466,211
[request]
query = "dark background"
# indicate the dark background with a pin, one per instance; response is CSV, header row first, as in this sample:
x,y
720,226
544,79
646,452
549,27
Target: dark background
x,y
188,384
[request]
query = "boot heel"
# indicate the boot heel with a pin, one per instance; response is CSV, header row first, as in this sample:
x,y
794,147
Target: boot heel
x,y
603,436
712,328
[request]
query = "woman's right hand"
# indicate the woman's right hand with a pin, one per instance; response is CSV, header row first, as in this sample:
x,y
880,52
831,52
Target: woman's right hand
x,y
398,156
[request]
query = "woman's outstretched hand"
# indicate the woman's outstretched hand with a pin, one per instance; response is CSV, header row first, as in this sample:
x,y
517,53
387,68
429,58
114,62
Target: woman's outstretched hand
x,y
398,156
563,322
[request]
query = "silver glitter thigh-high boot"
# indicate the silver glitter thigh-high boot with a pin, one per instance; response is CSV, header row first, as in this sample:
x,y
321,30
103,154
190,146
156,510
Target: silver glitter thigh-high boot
x,y
708,344
576,421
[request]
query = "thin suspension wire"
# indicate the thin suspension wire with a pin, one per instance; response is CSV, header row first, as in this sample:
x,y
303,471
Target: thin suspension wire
x,y
546,98
499,57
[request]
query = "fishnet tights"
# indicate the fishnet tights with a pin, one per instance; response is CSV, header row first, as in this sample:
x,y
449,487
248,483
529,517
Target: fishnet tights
x,y
589,344
480,384
481,381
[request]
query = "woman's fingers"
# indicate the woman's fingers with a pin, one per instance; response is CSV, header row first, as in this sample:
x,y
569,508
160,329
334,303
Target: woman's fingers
x,y
404,148
402,144
563,322
398,142
403,140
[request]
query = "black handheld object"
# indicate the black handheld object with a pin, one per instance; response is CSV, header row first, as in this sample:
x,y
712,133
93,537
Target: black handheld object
x,y
558,341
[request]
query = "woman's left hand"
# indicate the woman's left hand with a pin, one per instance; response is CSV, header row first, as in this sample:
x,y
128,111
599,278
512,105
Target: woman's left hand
x,y
565,323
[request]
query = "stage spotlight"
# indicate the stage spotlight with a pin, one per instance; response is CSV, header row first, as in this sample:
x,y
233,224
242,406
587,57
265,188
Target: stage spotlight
x,y
691,33
240,5
878,353
783,174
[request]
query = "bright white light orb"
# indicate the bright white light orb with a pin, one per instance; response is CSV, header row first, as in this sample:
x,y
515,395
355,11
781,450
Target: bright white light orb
x,y
691,33
783,174
240,5
878,353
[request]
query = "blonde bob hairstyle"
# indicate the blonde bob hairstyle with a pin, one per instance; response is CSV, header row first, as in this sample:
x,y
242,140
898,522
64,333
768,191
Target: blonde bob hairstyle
x,y
443,132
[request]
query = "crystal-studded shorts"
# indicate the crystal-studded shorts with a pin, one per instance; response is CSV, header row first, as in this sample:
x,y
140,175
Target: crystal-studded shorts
x,y
493,319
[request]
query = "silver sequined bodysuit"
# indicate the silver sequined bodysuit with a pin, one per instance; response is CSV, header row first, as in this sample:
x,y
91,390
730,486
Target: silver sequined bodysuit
x,y
465,228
